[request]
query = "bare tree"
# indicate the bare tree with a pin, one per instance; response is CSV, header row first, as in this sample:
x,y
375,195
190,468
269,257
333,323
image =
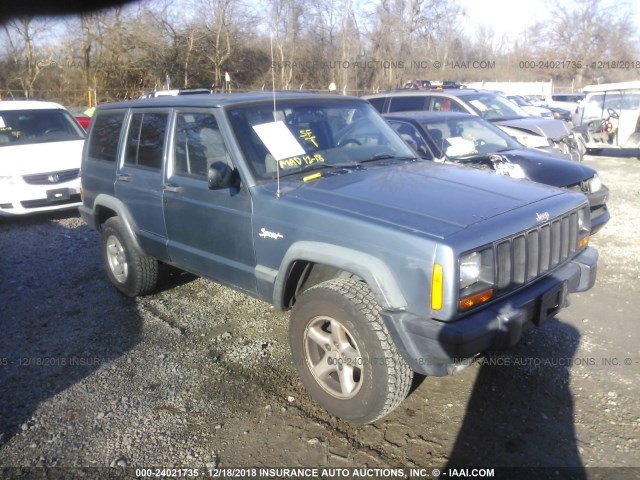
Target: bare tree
x,y
22,35
589,32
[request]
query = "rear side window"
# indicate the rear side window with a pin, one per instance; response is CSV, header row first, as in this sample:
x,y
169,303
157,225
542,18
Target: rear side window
x,y
105,136
145,140
445,104
408,104
378,103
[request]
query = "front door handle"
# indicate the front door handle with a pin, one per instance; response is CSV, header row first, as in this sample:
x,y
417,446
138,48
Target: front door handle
x,y
124,177
169,187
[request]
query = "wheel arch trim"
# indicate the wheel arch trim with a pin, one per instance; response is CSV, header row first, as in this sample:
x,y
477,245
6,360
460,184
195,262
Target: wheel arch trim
x,y
120,209
375,273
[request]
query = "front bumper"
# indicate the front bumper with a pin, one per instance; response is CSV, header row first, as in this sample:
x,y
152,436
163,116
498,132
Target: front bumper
x,y
432,347
25,199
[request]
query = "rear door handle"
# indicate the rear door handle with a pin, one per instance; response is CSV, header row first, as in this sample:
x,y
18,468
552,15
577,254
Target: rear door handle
x,y
169,187
124,177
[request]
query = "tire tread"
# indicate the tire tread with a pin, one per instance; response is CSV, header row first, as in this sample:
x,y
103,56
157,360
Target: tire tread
x,y
399,373
143,269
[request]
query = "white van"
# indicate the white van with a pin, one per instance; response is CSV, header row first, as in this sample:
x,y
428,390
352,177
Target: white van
x,y
40,153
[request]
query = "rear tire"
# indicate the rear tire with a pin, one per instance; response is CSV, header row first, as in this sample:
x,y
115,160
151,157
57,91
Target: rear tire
x,y
344,354
131,271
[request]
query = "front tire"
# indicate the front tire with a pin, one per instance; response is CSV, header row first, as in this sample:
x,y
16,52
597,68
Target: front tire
x,y
130,270
344,354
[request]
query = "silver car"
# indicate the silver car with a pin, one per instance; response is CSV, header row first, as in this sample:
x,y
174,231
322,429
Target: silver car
x,y
550,135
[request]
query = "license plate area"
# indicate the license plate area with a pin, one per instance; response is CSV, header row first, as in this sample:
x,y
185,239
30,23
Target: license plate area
x,y
552,302
58,195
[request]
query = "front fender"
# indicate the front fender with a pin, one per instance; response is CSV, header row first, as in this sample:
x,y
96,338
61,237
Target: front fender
x,y
378,276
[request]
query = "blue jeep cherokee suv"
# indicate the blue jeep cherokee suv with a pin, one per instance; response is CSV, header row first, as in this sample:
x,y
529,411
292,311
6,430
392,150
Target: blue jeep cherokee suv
x,y
313,203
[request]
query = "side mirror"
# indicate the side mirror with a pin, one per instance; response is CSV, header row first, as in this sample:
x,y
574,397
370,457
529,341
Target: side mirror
x,y
220,176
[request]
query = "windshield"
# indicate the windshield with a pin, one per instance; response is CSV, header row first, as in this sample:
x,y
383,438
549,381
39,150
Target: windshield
x,y
24,127
518,101
458,138
494,107
308,134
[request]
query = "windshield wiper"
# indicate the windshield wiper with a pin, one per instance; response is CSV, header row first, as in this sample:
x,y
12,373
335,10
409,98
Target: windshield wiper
x,y
316,166
385,156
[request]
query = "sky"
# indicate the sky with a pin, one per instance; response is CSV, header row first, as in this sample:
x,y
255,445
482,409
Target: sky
x,y
512,17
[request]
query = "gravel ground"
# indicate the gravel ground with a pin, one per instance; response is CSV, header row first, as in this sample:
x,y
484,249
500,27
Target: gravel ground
x,y
199,376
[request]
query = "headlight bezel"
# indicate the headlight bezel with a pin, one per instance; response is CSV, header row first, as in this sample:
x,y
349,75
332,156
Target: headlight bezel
x,y
584,227
476,272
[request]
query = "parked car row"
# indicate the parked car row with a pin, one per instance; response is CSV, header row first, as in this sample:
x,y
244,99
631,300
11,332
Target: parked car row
x,y
59,185
543,133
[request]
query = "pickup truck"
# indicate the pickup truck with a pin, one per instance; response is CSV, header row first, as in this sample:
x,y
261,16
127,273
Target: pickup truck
x,y
311,202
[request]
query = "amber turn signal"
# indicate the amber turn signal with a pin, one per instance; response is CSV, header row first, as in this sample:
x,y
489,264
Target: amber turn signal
x,y
583,241
477,299
436,287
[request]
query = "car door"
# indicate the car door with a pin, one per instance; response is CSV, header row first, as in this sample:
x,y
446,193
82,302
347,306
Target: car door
x,y
209,231
139,178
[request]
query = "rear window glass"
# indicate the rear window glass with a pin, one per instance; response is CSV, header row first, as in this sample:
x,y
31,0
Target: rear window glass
x,y
408,104
145,140
105,136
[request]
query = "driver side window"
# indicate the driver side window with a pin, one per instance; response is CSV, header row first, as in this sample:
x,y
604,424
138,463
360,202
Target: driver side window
x,y
412,137
198,144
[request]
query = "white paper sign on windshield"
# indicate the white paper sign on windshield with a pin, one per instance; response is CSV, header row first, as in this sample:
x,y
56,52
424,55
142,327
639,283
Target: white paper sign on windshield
x,y
460,147
279,140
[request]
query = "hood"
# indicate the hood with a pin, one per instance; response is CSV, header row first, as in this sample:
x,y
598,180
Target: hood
x,y
533,110
18,160
434,199
547,127
545,168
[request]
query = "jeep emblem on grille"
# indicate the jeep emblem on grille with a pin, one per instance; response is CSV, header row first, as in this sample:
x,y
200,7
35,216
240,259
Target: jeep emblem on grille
x,y
53,178
542,217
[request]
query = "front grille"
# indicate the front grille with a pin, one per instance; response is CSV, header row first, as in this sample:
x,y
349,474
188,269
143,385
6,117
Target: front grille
x,y
528,255
51,178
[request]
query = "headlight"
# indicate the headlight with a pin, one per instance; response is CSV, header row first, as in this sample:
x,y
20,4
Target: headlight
x,y
594,184
533,141
470,266
477,273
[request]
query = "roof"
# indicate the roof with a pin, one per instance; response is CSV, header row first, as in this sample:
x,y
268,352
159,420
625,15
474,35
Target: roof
x,y
406,92
28,105
222,99
606,87
421,115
